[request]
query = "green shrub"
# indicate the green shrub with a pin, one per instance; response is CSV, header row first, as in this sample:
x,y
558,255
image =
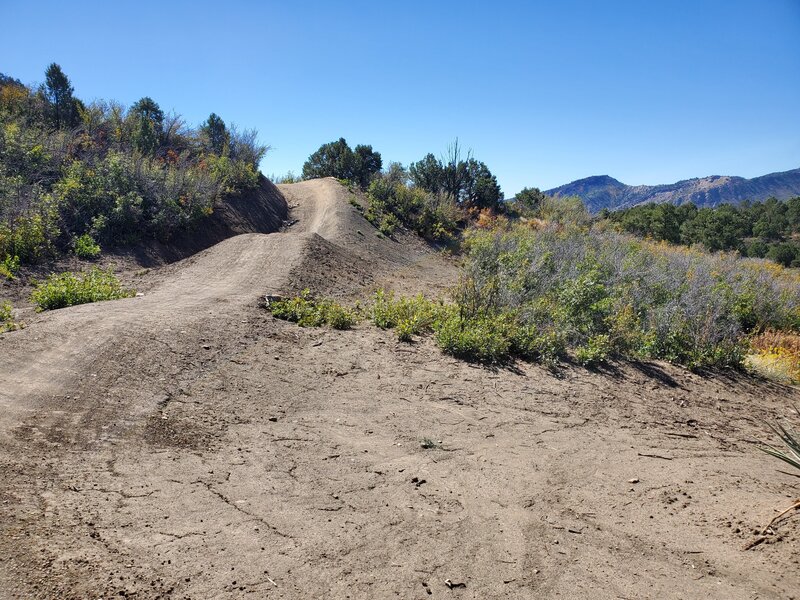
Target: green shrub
x,y
383,312
9,267
30,237
595,352
339,317
405,330
86,247
70,289
390,203
530,343
307,311
388,224
288,177
7,322
234,176
118,175
485,339
410,315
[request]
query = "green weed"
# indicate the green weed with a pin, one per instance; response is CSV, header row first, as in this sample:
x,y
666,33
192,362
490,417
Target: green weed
x,y
9,267
69,289
86,247
307,311
7,322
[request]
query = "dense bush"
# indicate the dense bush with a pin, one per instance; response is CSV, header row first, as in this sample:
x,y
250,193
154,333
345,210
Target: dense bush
x,y
70,289
487,339
392,202
9,267
68,169
337,159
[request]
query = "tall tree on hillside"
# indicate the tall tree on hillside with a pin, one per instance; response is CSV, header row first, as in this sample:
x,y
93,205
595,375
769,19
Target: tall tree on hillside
x,y
427,174
58,92
366,162
216,133
479,187
148,125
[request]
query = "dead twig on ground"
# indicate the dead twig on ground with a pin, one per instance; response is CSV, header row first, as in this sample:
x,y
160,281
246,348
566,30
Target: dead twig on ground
x,y
793,507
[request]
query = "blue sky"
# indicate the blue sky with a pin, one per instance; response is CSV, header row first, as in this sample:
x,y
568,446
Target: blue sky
x,y
542,92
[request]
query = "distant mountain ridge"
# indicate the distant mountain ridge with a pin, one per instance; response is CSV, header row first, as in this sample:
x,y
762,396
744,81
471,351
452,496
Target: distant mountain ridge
x,y
601,191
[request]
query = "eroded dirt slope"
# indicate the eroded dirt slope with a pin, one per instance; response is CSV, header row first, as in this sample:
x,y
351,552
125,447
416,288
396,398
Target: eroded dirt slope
x,y
184,444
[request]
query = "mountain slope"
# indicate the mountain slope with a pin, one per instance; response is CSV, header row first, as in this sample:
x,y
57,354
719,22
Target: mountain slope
x,y
602,191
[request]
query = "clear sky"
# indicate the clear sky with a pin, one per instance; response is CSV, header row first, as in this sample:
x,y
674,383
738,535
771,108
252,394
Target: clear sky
x,y
544,92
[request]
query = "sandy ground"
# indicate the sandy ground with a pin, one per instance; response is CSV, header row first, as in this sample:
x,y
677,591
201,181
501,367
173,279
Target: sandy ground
x,y
185,444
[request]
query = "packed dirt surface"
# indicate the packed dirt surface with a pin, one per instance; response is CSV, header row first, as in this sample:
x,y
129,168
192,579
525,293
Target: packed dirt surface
x,y
185,444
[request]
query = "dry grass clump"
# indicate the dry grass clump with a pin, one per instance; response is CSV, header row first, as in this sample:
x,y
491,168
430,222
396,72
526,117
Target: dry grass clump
x,y
776,354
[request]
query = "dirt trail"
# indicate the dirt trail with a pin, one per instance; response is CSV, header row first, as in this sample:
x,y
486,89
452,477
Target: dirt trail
x,y
184,444
63,345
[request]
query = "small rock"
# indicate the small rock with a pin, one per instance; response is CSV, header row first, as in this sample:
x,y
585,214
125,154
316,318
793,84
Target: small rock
x,y
274,419
634,480
206,347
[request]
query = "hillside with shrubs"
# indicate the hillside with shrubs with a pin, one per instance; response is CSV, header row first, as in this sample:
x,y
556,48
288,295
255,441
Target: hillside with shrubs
x,y
79,177
543,280
435,197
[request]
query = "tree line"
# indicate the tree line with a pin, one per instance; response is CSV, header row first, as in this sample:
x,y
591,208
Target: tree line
x,y
768,229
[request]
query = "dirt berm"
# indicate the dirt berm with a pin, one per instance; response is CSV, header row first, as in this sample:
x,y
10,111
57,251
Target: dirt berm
x,y
185,444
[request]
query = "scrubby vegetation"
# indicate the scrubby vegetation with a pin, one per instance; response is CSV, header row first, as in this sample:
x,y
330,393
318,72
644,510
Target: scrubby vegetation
x,y
308,311
69,289
7,322
776,354
607,294
392,202
85,247
435,197
548,291
769,229
467,181
408,316
75,176
9,267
